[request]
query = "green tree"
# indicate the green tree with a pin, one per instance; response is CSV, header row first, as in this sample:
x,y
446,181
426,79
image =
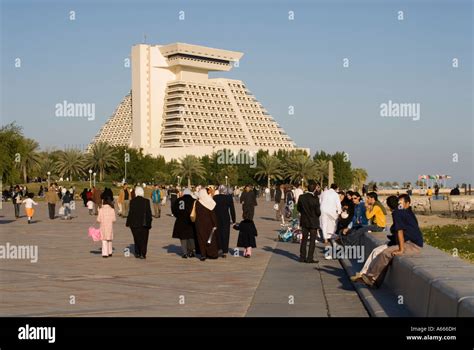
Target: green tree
x,y
188,167
300,167
269,167
11,140
359,177
29,157
342,170
322,168
102,157
70,162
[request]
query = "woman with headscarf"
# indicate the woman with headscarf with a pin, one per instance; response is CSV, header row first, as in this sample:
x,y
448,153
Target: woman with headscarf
x,y
248,200
139,220
224,207
206,225
183,227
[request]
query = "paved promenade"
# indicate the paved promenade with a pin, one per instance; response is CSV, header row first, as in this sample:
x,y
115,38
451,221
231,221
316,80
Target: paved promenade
x,y
72,279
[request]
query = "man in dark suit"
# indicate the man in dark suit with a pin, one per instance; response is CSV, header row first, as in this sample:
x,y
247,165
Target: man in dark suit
x,y
139,220
308,206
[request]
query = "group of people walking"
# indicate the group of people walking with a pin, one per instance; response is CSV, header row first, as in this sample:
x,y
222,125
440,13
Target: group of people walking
x,y
202,220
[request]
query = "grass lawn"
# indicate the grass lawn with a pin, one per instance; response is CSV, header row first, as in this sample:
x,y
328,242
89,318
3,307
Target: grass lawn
x,y
451,237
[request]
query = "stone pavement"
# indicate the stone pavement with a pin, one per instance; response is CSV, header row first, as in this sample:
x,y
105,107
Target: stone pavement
x,y
71,279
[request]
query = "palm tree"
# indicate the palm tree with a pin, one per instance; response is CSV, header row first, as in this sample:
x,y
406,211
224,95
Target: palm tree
x,y
322,168
359,176
102,157
189,166
70,162
29,157
46,164
299,167
269,167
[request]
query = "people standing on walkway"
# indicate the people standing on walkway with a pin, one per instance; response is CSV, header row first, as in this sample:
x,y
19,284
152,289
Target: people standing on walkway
x,y
124,200
409,241
184,229
298,191
279,203
206,225
30,211
139,220
156,200
84,196
106,218
173,193
247,234
225,213
330,206
66,200
267,194
249,202
97,199
16,200
308,207
51,199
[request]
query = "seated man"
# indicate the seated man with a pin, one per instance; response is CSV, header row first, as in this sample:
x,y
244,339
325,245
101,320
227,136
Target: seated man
x,y
392,203
375,211
408,238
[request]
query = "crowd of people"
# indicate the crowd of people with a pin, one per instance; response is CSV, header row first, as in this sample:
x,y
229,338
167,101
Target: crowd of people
x,y
204,217
336,217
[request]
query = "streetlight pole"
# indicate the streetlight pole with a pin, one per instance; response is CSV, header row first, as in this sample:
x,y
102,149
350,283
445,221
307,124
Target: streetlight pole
x,y
126,159
226,183
90,178
179,178
49,179
94,178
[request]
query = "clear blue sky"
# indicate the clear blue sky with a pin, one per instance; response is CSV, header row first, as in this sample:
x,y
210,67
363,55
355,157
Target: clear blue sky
x,y
296,63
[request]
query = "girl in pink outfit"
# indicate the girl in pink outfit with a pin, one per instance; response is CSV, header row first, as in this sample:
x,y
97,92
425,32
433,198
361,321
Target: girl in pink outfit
x,y
106,218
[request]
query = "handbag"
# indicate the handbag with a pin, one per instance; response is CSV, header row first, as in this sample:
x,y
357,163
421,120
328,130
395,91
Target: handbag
x,y
192,216
94,233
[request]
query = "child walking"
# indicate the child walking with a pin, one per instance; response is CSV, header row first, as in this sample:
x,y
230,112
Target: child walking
x,y
30,211
247,234
90,206
106,218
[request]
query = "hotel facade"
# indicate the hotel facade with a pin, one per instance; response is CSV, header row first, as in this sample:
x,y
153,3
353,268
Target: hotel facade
x,y
174,109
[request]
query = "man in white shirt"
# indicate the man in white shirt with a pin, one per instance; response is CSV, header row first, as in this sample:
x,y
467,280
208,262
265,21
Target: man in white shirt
x,y
297,193
330,210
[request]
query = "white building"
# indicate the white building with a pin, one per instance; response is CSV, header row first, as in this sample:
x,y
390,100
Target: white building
x,y
175,109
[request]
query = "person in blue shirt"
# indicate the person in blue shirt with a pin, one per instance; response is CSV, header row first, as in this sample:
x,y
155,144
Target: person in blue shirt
x,y
407,236
359,219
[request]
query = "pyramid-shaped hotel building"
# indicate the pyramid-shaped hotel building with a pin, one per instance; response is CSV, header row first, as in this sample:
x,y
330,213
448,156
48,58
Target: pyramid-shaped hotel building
x,y
175,109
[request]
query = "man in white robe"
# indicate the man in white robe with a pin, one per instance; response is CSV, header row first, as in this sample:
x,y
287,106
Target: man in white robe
x,y
330,210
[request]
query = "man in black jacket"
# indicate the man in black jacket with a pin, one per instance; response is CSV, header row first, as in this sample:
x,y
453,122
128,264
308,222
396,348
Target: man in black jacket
x,y
308,206
139,220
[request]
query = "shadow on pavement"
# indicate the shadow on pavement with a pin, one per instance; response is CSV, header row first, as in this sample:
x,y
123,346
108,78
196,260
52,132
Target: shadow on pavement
x,y
172,248
281,252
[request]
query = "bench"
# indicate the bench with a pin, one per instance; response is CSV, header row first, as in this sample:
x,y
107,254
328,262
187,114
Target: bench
x,y
432,284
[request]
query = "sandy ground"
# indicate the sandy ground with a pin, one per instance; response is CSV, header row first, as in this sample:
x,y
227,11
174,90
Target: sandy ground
x,y
437,220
